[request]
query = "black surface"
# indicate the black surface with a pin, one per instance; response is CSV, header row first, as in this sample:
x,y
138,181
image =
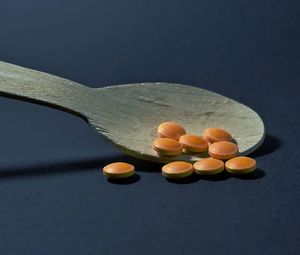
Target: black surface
x,y
53,198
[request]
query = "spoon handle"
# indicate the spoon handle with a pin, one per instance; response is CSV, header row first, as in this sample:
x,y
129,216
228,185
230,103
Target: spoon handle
x,y
42,88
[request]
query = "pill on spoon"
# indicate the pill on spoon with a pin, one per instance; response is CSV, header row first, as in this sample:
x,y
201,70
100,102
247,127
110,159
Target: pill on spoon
x,y
193,143
118,170
167,146
240,165
213,135
223,150
170,130
208,166
177,169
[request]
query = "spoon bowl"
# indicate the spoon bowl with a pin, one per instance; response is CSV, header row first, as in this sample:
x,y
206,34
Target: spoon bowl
x,y
128,115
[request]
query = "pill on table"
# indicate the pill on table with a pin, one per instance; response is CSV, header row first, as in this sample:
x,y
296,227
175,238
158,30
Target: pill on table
x,y
118,170
177,169
223,150
170,130
213,135
208,166
193,143
167,146
240,165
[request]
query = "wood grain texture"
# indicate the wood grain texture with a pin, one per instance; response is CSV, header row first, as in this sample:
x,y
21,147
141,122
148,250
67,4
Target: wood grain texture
x,y
134,111
128,115
42,88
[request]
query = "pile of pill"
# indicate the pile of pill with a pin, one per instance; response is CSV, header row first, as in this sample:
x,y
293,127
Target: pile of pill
x,y
173,140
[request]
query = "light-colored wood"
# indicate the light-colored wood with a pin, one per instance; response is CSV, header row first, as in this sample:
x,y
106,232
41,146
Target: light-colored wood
x,y
43,88
128,115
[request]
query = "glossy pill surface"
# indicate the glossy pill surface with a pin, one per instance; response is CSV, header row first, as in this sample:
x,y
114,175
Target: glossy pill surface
x,y
193,143
177,169
240,165
208,166
213,135
167,146
118,170
223,150
170,130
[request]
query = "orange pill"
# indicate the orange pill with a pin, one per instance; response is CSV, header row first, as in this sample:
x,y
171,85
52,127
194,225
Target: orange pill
x,y
223,150
177,169
208,166
240,165
118,170
170,130
167,146
213,135
193,143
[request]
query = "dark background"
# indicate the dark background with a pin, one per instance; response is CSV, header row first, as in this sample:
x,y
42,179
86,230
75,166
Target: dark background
x,y
53,197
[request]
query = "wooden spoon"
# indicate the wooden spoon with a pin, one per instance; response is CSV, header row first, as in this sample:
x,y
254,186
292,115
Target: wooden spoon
x,y
128,115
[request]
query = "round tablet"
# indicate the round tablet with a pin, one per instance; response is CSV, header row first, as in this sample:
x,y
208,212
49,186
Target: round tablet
x,y
167,146
193,143
213,135
170,130
240,165
223,150
118,170
177,169
208,166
